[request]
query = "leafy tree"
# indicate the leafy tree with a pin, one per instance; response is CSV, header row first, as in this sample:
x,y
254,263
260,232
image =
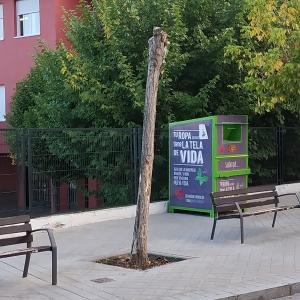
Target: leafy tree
x,y
100,81
268,53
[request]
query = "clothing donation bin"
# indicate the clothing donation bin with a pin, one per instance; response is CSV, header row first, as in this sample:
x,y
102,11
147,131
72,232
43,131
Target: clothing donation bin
x,y
206,155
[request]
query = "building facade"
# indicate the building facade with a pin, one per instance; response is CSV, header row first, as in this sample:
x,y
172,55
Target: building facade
x,y
23,23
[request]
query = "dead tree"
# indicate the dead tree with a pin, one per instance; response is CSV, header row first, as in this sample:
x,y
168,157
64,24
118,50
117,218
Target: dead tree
x,y
157,51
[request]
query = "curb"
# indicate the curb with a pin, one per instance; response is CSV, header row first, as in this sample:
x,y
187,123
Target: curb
x,y
67,220
268,294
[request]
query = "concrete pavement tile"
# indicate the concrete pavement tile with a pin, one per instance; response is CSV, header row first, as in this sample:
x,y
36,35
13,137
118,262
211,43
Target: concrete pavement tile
x,y
268,258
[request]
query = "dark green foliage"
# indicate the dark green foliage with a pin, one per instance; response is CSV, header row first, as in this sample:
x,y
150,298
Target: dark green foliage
x,y
100,82
291,146
72,155
262,156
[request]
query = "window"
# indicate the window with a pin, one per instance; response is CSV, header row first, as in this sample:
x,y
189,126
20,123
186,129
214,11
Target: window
x,y
1,23
2,103
28,17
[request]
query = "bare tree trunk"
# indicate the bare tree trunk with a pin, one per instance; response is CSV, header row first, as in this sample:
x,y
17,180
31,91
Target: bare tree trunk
x,y
157,51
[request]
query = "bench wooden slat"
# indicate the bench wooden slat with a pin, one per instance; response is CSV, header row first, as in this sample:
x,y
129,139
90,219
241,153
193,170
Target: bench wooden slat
x,y
14,220
15,229
260,212
225,208
16,240
235,214
232,206
257,202
253,189
254,202
245,197
24,251
16,252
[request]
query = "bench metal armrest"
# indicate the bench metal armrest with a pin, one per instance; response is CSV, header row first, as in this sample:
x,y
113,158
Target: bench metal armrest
x,y
297,194
50,235
239,209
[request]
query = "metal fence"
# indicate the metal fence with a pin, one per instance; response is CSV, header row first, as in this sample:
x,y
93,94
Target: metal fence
x,y
11,183
47,171
273,155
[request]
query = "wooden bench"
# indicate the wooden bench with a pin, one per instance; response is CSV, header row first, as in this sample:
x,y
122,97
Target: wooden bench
x,y
247,202
17,230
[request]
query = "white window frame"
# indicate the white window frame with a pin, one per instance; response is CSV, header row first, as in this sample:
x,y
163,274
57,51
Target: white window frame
x,y
2,103
28,17
1,23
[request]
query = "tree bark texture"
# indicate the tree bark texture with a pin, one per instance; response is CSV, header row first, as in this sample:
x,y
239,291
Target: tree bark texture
x,y
157,51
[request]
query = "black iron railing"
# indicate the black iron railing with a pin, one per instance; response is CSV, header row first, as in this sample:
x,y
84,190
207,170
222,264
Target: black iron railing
x,y
44,171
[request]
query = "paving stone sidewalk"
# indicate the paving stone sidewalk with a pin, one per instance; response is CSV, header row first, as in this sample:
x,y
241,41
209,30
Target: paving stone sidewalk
x,y
213,269
294,297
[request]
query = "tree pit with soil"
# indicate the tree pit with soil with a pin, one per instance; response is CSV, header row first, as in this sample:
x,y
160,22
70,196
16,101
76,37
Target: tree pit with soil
x,y
129,261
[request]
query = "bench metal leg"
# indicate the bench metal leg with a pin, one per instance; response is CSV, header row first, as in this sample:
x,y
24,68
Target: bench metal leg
x,y
242,229
26,266
27,261
241,221
54,266
274,219
213,229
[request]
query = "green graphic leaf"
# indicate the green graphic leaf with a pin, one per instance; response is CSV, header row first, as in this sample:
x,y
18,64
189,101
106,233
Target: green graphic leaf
x,y
200,177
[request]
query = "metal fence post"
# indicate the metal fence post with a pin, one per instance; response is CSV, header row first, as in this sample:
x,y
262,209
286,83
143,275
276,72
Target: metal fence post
x,y
137,148
279,154
135,162
29,153
139,153
140,137
23,169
